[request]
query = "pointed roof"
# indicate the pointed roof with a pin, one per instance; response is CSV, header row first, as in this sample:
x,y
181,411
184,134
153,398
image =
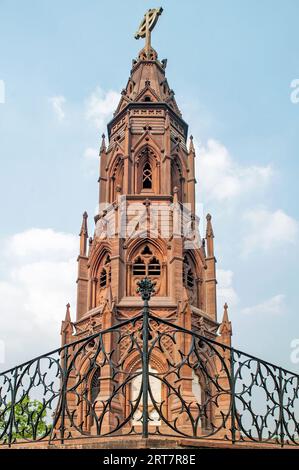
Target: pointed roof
x,y
84,229
209,231
225,326
191,145
66,324
147,83
103,144
68,313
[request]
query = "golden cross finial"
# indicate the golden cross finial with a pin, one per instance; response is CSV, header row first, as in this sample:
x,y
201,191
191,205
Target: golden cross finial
x,y
147,25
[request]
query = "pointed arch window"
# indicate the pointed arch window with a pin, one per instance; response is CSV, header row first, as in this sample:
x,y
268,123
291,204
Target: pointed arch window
x,y
146,264
190,279
147,170
105,276
177,179
188,276
147,176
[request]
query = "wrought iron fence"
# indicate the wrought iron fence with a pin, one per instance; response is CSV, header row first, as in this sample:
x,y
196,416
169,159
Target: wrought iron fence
x,y
148,377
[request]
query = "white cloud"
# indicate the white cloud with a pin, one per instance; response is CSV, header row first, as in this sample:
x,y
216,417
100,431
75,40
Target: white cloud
x,y
221,178
100,105
91,154
225,289
38,278
57,103
266,230
273,306
91,161
36,244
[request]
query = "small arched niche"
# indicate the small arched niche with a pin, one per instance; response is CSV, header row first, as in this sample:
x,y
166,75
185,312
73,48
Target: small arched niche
x,y
146,260
189,279
177,180
103,278
116,179
147,172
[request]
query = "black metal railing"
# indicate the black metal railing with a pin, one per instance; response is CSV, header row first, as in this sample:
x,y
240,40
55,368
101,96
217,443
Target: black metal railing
x,y
147,376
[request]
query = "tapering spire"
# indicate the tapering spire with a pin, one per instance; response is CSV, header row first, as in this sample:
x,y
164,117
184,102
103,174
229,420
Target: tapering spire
x,y
225,329
191,145
191,181
68,313
103,171
210,236
83,235
103,144
66,327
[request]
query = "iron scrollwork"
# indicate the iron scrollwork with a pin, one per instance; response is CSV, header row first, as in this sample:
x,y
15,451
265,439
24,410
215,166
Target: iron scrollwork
x,y
147,376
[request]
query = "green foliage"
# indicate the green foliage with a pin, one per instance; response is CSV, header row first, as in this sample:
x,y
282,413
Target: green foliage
x,y
29,419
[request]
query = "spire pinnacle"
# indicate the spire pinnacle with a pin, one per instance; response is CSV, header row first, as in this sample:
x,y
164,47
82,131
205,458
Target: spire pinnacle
x,y
84,230
225,329
66,326
210,236
225,314
103,144
83,234
191,145
209,232
68,313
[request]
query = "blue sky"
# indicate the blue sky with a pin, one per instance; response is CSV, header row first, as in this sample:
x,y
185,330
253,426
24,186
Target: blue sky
x,y
231,65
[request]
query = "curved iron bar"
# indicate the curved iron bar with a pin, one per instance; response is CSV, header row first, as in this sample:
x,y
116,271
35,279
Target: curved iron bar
x,y
199,389
259,422
176,368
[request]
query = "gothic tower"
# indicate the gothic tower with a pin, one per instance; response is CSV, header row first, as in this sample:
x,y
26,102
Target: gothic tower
x,y
146,225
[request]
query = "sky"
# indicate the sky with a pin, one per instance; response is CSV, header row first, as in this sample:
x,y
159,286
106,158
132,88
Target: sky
x,y
234,67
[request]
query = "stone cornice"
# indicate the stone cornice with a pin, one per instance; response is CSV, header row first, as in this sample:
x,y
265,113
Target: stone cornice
x,y
145,105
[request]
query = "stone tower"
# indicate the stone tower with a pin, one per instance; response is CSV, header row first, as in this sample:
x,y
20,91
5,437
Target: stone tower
x,y
146,225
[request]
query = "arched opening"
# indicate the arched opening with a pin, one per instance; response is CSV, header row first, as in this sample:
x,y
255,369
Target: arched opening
x,y
147,175
146,261
189,280
143,266
116,180
103,278
147,171
146,250
177,179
